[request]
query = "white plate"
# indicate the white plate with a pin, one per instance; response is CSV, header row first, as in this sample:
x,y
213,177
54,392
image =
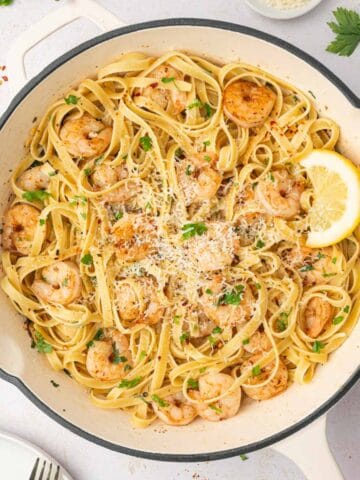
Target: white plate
x,y
17,458
272,12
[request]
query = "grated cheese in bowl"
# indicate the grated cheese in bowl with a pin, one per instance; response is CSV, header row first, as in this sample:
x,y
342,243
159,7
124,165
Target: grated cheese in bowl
x,y
284,4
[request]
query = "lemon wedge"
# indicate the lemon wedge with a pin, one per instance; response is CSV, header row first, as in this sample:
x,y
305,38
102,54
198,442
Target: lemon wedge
x,y
335,211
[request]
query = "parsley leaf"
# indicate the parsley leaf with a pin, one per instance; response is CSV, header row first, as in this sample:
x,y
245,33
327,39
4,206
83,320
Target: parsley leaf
x,y
338,320
168,79
87,171
115,357
87,259
215,408
184,336
306,268
146,143
36,196
162,403
130,383
346,309
232,297
245,341
195,104
317,346
191,229
259,244
188,170
244,457
5,3
256,371
192,383
98,336
347,31
40,344
72,100
217,330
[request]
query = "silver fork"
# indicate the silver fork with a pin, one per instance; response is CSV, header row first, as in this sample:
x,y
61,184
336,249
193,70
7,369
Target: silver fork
x,y
39,471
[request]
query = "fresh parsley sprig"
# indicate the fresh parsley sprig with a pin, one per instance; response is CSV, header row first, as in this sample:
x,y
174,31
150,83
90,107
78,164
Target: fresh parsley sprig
x,y
347,29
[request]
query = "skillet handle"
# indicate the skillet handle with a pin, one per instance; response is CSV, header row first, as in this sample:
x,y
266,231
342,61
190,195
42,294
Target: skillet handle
x,y
310,451
57,19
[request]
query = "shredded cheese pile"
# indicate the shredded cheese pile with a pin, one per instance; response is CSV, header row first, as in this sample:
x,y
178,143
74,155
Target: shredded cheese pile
x,y
285,4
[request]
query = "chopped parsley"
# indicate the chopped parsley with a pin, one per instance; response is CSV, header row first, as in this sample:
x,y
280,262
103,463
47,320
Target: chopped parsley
x,y
146,143
208,291
257,286
271,176
207,158
87,259
162,403
36,196
98,336
130,383
118,215
306,268
246,341
42,221
346,309
208,110
212,340
176,319
217,330
148,205
87,171
179,152
188,170
206,143
317,346
256,371
40,344
184,336
338,320
320,256
259,244
215,408
243,457
54,384
98,160
282,322
334,260
328,274
191,229
195,104
232,297
202,369
168,79
142,354
72,100
65,282
115,357
192,383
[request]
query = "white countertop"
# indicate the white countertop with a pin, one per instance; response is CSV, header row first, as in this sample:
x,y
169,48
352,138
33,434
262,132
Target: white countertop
x,y
87,461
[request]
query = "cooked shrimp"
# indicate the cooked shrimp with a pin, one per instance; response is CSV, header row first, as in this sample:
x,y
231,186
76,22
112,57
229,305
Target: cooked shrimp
x,y
172,100
19,228
134,236
275,386
107,357
215,249
176,411
36,178
247,103
85,137
315,266
198,178
60,283
105,175
317,315
258,343
146,309
279,194
213,385
227,305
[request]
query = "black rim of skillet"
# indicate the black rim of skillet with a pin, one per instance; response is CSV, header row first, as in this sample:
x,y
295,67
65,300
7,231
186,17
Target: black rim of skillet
x,y
197,457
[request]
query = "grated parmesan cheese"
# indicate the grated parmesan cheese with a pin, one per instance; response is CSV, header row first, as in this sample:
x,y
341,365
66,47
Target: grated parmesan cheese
x,y
284,4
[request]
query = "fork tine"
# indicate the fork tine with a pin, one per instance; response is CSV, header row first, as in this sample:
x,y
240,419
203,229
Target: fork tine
x,y
42,471
34,470
49,473
57,474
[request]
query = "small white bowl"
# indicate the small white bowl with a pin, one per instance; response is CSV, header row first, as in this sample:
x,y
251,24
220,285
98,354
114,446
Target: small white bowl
x,y
260,7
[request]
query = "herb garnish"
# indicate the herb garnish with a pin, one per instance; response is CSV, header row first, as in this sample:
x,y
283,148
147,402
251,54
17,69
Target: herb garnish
x,y
306,268
130,383
54,384
259,244
282,322
115,357
168,79
162,403
98,336
72,100
243,457
146,143
256,371
215,408
118,215
188,170
191,229
217,330
184,336
87,171
232,297
36,195
317,346
338,320
346,309
40,344
87,259
192,383
246,341
347,31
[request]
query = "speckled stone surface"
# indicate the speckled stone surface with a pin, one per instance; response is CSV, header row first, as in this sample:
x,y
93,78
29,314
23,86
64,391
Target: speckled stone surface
x,y
17,415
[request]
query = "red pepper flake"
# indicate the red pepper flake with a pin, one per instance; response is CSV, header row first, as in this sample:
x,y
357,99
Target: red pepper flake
x,y
154,85
2,67
137,94
5,78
